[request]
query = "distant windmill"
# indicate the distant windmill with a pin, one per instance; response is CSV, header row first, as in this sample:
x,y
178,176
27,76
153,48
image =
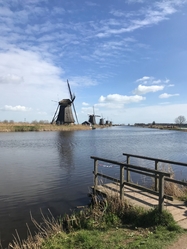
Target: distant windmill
x,y
64,114
92,119
101,121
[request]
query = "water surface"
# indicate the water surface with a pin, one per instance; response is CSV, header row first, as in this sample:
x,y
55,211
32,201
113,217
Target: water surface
x,y
53,170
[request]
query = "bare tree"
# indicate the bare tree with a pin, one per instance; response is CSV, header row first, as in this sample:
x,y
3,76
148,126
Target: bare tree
x,y
180,120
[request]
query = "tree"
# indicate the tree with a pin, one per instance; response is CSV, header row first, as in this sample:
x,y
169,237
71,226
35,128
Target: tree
x,y
180,120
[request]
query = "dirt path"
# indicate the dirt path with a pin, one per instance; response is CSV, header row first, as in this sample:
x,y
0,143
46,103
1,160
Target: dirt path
x,y
181,243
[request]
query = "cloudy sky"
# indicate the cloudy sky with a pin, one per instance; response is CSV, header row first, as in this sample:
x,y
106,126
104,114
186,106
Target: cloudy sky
x,y
127,58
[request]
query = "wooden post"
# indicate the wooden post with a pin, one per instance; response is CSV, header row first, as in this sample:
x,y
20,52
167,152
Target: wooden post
x,y
95,175
121,182
128,172
156,179
161,192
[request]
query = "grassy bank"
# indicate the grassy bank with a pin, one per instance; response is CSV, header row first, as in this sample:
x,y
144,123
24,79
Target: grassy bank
x,y
22,127
162,127
107,224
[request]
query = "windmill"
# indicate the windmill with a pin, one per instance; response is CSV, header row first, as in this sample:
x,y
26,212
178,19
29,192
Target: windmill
x,y
63,113
92,119
101,121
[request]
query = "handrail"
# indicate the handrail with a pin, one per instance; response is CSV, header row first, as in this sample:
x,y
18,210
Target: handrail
x,y
156,160
125,166
131,166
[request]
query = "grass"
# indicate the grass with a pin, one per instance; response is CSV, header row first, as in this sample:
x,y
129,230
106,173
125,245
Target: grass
x,y
22,127
116,238
107,223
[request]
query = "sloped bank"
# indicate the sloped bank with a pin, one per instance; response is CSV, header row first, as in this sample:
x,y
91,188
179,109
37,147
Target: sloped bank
x,y
22,127
107,223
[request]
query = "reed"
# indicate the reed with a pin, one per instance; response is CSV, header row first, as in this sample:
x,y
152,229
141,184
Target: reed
x,y
173,189
102,215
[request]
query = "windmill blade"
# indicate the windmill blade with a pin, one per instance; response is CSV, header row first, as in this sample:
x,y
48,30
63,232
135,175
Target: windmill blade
x,y
93,111
54,117
72,97
75,113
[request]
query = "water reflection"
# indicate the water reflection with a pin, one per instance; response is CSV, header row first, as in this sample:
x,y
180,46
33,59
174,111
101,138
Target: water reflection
x,y
65,148
53,170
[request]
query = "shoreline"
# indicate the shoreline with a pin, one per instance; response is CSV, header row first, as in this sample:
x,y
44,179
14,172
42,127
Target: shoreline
x,y
162,127
25,127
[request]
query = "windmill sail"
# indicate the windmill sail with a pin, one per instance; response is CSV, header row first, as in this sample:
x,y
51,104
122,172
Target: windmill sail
x,y
72,99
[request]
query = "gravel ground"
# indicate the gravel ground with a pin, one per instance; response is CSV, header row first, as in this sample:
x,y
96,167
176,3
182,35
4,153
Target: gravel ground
x,y
181,243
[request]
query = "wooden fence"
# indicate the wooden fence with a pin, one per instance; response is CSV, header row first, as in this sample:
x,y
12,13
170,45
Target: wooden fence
x,y
158,175
156,163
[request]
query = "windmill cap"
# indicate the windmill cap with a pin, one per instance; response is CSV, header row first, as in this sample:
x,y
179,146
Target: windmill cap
x,y
65,102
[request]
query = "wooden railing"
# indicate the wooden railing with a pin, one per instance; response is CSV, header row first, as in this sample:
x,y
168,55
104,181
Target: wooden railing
x,y
156,162
160,175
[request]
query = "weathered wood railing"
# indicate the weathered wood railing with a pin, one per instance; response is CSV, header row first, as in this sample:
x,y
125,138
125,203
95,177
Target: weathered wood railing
x,y
156,161
122,182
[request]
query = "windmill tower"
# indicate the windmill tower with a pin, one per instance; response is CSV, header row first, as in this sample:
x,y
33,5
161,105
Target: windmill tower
x,y
92,118
64,113
101,121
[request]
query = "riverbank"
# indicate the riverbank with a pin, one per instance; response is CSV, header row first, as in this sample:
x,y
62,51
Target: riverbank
x,y
21,127
108,223
163,127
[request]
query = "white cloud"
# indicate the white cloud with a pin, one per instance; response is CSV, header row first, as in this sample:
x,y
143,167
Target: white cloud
x,y
144,79
83,81
156,81
146,17
149,80
166,95
167,81
17,108
140,90
85,104
10,78
120,99
18,66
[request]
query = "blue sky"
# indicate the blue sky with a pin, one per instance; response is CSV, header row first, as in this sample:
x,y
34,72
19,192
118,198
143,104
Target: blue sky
x,y
127,58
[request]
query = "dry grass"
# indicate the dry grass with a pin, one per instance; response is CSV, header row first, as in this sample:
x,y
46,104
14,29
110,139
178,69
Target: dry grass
x,y
12,127
93,217
49,227
170,188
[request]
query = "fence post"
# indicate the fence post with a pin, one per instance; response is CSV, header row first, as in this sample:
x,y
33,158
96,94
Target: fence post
x,y
161,192
121,182
156,179
95,175
128,172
